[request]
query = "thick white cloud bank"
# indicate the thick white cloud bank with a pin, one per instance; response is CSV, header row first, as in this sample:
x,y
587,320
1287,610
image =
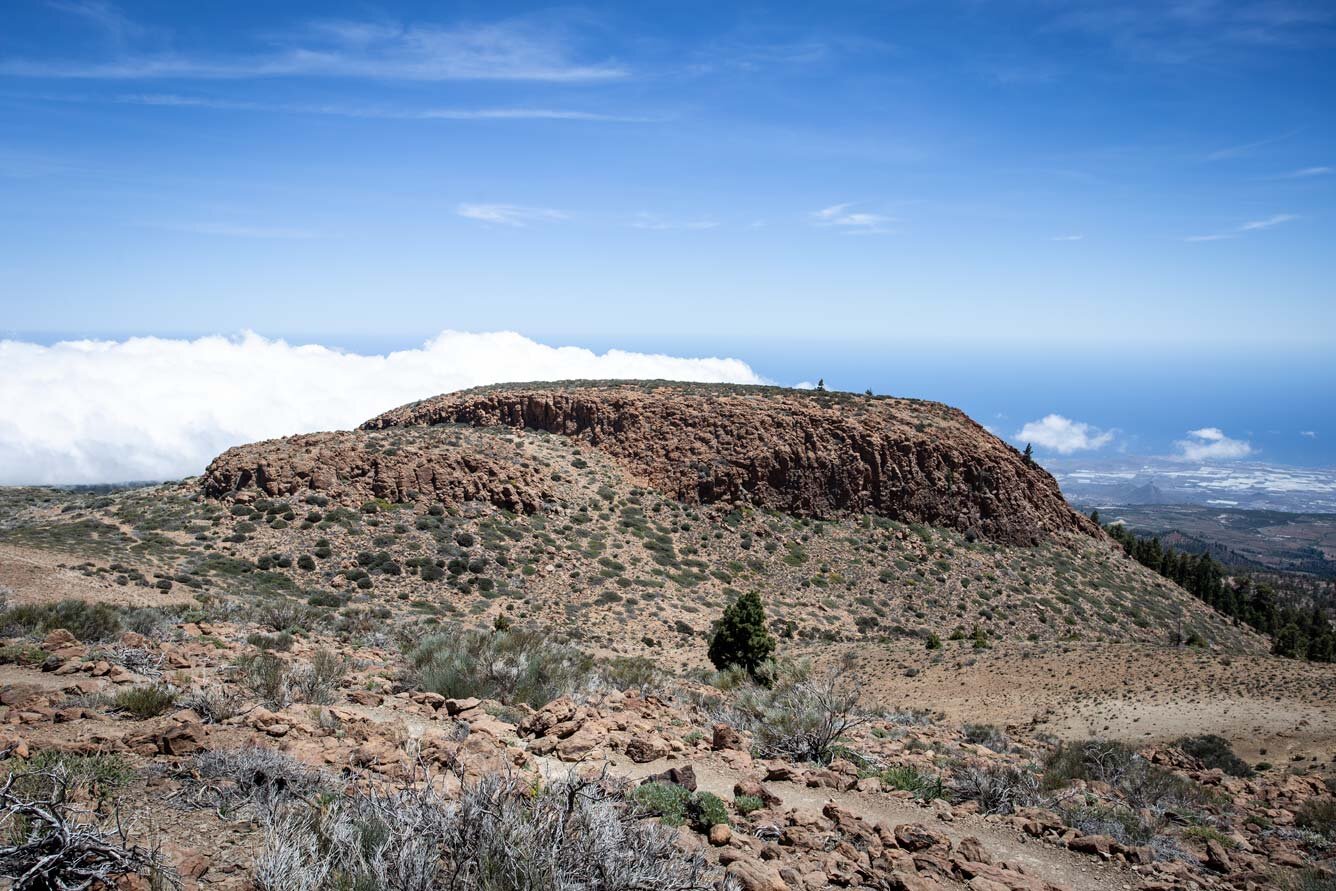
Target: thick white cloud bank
x,y
150,408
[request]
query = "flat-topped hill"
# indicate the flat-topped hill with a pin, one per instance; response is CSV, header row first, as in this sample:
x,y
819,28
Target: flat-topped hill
x,y
808,453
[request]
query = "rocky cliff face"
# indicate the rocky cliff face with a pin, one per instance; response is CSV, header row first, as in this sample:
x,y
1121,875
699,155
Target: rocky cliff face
x,y
808,453
355,467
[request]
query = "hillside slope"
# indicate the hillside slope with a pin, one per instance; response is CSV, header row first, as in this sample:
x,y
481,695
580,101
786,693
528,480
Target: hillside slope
x,y
596,531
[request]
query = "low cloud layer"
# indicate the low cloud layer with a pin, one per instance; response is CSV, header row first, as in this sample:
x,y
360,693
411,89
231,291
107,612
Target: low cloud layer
x,y
1055,433
1211,444
150,408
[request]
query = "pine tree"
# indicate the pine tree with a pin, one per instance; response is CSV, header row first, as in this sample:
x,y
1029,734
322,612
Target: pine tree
x,y
1028,454
740,636
1289,642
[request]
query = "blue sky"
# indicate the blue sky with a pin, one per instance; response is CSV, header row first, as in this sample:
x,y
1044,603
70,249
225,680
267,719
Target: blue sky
x,y
1136,186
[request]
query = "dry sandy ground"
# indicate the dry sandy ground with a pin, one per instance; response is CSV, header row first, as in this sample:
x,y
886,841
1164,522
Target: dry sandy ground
x,y
1271,709
36,576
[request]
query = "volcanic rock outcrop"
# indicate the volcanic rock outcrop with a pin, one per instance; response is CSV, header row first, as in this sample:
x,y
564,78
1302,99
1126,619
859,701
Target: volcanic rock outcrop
x,y
814,454
354,467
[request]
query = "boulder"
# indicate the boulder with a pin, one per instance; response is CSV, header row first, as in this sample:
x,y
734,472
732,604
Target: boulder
x,y
683,776
917,837
726,737
58,639
753,875
456,706
754,789
1100,845
644,749
1217,858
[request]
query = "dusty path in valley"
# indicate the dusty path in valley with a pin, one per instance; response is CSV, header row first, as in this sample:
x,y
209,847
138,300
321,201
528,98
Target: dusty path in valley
x,y
1270,709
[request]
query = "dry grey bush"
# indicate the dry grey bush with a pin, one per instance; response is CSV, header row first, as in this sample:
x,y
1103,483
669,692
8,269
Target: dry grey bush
x,y
278,683
48,845
248,781
801,717
317,681
215,703
998,788
142,662
500,834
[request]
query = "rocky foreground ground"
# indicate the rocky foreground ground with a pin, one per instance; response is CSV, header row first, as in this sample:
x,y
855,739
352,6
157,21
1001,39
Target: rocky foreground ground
x,y
201,736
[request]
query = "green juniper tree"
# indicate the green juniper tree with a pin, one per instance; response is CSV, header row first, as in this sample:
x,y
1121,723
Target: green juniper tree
x,y
740,636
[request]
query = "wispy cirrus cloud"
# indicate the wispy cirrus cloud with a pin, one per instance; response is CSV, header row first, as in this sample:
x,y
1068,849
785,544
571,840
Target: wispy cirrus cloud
x,y
1189,32
175,100
854,222
1269,222
1242,150
513,50
1067,238
1211,444
1305,172
104,16
240,230
515,215
657,223
1250,226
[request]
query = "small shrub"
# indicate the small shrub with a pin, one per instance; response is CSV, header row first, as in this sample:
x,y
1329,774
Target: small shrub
x,y
280,641
99,775
705,809
747,804
49,842
214,704
1206,833
1122,824
800,717
998,788
667,801
923,785
1318,815
22,654
1101,760
500,835
1215,752
988,736
1142,784
629,673
511,666
266,677
147,701
317,682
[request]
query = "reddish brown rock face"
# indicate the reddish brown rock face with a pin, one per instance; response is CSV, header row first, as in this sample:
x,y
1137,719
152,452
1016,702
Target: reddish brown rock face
x,y
807,453
353,467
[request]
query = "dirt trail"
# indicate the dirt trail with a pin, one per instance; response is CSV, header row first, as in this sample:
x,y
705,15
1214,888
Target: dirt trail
x,y
1052,864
